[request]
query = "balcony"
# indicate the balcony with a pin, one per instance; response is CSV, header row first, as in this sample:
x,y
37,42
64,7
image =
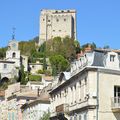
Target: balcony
x,y
115,104
63,108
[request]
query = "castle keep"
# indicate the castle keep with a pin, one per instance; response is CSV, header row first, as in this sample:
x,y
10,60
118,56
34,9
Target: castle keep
x,y
55,23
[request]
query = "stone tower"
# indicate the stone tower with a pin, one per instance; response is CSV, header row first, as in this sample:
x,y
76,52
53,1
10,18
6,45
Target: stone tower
x,y
55,23
13,54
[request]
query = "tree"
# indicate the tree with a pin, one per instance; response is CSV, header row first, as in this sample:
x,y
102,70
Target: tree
x,y
59,46
3,52
106,47
22,75
59,63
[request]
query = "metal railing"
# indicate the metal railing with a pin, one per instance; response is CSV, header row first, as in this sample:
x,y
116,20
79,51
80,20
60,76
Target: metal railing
x,y
115,102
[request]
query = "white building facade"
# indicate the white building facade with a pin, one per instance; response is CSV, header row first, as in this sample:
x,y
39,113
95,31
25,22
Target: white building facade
x,y
9,67
54,23
92,91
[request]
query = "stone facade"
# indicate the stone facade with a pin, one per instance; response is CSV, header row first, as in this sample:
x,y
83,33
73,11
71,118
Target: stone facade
x,y
55,23
91,91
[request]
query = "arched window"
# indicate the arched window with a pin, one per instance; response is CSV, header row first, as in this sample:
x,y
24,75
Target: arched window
x,y
13,55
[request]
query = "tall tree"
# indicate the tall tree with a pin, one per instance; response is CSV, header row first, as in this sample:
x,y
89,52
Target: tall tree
x,y
59,63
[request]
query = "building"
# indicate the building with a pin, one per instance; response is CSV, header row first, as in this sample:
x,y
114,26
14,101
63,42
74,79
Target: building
x,y
34,110
9,67
8,102
55,23
91,90
11,64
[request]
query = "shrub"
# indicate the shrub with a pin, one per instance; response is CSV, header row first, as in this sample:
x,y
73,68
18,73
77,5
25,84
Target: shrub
x,y
40,72
35,78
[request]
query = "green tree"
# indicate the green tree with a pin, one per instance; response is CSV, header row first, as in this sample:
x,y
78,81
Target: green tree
x,y
59,63
58,46
3,52
22,76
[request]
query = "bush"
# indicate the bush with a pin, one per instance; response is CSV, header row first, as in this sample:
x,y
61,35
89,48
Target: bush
x,y
35,78
40,72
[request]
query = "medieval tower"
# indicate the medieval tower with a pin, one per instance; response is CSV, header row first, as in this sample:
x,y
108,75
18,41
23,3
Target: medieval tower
x,y
55,23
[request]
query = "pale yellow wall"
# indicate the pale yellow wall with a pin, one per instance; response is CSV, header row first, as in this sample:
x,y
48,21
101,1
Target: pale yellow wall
x,y
106,91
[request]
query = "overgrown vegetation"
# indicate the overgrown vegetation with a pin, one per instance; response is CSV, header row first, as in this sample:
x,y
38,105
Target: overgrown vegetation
x,y
3,52
35,78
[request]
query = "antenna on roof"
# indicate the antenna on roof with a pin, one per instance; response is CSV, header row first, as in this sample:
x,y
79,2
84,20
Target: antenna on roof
x,y
13,33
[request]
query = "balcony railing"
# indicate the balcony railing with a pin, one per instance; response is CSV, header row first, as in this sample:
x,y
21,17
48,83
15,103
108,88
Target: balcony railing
x,y
115,103
62,108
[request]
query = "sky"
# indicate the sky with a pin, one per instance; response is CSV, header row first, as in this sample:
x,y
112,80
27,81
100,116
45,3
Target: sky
x,y
98,21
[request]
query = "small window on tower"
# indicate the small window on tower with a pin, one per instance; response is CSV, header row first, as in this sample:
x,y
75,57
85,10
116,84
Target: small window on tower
x,y
57,20
48,20
43,19
13,55
64,19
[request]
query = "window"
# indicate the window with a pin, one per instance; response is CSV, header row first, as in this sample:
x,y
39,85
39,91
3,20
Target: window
x,y
48,20
59,30
64,19
43,19
85,116
13,55
5,66
112,58
57,20
71,118
117,91
80,118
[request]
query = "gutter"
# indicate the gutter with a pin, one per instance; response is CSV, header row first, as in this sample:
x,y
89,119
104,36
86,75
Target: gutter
x,y
97,100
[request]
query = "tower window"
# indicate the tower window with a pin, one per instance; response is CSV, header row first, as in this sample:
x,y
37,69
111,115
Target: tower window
x,y
57,20
13,55
5,66
48,20
64,19
112,58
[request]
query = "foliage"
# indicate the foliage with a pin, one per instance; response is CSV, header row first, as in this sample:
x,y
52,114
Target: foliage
x,y
22,75
35,78
3,52
27,48
46,116
64,47
77,46
40,72
47,72
92,45
58,63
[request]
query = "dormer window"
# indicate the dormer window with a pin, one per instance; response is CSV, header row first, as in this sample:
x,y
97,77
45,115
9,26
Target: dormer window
x,y
112,58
